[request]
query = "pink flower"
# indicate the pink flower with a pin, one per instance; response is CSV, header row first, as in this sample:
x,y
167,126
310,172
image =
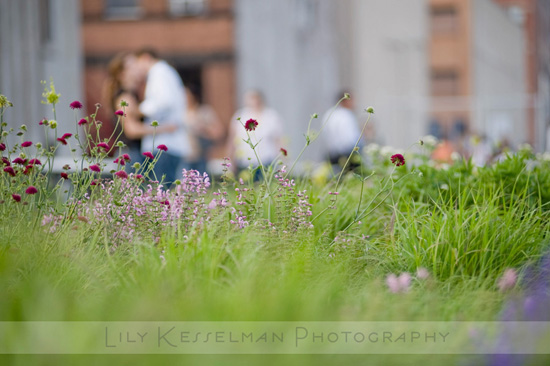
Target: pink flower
x,y
82,122
334,193
76,105
149,155
508,280
2,147
119,113
120,161
26,144
398,160
422,273
399,284
31,190
35,162
213,204
62,140
20,161
284,152
16,197
6,161
28,169
94,183
126,157
103,145
121,174
64,175
66,135
95,168
10,171
251,124
43,121
162,147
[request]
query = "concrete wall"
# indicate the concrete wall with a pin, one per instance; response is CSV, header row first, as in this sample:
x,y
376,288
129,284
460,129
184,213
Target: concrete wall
x,y
28,55
499,77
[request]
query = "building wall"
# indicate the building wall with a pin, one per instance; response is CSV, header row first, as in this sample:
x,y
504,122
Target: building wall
x,y
38,43
499,78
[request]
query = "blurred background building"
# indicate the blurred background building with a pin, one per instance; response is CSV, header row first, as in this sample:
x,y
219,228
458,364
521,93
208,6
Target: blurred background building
x,y
445,67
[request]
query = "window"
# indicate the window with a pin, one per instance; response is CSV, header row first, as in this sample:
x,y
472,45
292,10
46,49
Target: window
x,y
444,19
122,8
187,7
444,83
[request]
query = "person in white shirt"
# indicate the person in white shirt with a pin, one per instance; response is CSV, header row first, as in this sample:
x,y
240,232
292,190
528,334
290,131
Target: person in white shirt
x,y
341,131
269,132
165,102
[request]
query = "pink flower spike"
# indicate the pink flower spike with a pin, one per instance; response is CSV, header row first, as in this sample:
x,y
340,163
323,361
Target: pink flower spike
x,y
95,168
66,135
121,174
16,197
31,190
76,105
62,140
119,113
103,145
82,122
162,147
2,147
26,144
10,171
149,155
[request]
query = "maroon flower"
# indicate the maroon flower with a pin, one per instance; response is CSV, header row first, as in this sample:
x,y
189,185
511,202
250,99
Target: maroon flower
x,y
31,190
26,144
149,155
95,168
35,162
138,176
94,183
251,124
162,147
119,113
284,152
2,147
76,105
398,160
103,145
121,174
120,161
20,161
16,197
66,135
126,157
64,175
10,171
6,161
28,169
82,122
167,203
62,140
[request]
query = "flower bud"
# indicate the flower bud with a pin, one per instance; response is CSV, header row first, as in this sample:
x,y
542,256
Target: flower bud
x,y
38,145
53,124
120,144
370,110
23,127
136,165
155,123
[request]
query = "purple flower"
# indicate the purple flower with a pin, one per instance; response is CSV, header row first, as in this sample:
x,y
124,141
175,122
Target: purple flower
x,y
399,284
76,105
508,280
66,135
138,176
422,273
26,144
10,171
121,174
95,168
82,122
149,155
62,140
162,147
103,145
2,147
35,162
6,161
16,197
251,124
119,113
31,190
126,157
28,169
20,161
398,160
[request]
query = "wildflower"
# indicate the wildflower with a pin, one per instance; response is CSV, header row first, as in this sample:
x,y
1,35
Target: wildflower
x,y
119,113
162,147
35,162
508,280
16,197
20,161
422,273
26,144
334,193
398,160
126,157
213,204
28,169
62,140
2,147
138,176
121,174
64,175
10,171
94,183
31,190
66,135
82,122
43,122
120,161
5,161
66,167
399,284
284,152
103,145
251,124
76,105
149,155
95,168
